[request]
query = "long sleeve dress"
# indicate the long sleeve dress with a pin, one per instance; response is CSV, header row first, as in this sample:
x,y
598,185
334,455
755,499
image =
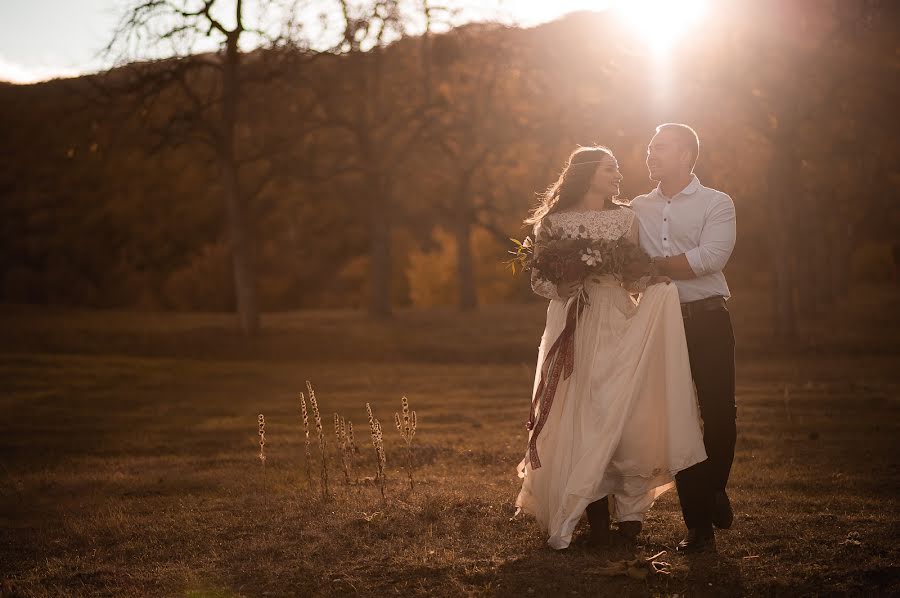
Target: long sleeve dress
x,y
625,420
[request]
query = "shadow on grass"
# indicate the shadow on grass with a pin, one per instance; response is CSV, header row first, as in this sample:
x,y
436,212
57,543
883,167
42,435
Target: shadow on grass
x,y
574,572
714,574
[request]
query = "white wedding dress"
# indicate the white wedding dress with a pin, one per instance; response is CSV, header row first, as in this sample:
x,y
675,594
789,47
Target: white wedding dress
x,y
626,420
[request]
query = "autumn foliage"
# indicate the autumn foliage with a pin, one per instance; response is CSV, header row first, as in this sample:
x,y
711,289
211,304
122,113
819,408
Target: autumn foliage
x,y
794,103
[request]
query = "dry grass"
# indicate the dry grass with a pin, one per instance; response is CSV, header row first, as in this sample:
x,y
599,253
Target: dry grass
x,y
130,460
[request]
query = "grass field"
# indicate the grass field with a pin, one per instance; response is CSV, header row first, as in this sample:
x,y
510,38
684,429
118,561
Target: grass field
x,y
129,459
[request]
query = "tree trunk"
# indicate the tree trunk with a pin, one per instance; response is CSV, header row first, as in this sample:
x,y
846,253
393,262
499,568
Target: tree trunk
x,y
239,228
811,255
468,300
783,191
802,255
783,255
380,305
785,325
371,119
241,252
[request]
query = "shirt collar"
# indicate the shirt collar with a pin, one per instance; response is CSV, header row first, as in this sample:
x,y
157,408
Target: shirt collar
x,y
691,188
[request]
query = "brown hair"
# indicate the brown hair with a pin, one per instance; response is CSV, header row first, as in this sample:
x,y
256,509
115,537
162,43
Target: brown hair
x,y
573,183
687,138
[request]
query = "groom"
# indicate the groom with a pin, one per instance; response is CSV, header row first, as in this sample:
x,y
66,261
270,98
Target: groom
x,y
689,232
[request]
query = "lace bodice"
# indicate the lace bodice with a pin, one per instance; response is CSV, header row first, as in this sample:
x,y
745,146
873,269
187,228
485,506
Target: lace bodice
x,y
593,224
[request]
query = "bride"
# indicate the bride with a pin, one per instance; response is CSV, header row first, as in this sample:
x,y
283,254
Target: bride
x,y
615,417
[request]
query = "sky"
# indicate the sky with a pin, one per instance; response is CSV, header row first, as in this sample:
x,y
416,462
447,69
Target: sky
x,y
43,39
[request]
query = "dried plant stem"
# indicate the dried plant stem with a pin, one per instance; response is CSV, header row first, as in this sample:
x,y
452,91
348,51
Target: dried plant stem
x,y
323,443
351,445
340,432
378,444
261,420
305,415
406,424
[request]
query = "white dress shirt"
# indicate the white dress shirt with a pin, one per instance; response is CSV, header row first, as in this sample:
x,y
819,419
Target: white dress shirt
x,y
698,222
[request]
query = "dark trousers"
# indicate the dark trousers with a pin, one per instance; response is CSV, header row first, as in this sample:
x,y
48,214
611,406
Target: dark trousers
x,y
710,341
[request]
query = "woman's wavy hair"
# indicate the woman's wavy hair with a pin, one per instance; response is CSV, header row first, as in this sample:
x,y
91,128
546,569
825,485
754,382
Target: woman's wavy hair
x,y
572,185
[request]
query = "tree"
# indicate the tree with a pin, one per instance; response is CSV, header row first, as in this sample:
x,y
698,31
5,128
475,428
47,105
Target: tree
x,y
200,99
799,75
380,117
501,111
481,127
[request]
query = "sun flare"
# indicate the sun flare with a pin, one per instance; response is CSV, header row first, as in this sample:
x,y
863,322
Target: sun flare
x,y
663,22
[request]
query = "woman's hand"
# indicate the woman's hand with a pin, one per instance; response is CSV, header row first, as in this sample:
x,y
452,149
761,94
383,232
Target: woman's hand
x,y
567,289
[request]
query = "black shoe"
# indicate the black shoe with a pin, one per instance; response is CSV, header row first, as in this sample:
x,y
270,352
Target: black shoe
x,y
722,515
629,530
598,517
598,540
698,540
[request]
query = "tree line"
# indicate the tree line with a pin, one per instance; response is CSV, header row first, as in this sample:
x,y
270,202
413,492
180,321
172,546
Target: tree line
x,y
391,167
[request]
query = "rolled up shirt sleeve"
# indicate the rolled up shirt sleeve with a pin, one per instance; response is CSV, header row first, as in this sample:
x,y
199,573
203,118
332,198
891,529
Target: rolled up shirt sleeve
x,y
716,239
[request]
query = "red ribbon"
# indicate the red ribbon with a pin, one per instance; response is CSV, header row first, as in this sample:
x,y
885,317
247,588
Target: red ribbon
x,y
559,362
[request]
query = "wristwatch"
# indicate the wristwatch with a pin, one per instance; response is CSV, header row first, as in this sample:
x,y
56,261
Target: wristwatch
x,y
654,267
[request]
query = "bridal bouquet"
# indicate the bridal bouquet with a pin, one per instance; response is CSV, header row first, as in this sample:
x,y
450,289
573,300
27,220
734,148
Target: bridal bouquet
x,y
557,259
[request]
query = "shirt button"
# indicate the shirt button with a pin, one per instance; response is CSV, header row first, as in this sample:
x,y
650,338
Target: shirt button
x,y
665,219
665,238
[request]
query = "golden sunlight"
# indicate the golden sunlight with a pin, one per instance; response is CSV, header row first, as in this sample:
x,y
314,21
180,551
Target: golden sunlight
x,y
662,22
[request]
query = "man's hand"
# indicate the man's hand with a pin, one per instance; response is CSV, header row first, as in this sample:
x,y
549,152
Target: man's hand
x,y
676,267
636,268
567,289
660,280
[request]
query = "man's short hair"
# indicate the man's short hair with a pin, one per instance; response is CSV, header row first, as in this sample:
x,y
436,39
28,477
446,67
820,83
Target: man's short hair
x,y
687,138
